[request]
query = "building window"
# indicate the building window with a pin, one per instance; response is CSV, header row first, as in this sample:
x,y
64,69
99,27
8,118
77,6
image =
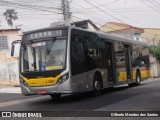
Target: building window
x,y
3,43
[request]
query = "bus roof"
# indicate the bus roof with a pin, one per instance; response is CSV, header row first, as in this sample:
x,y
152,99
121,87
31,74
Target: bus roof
x,y
44,29
98,33
112,36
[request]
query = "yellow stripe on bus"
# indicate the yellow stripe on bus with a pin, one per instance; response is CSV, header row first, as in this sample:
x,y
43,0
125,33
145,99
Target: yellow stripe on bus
x,y
134,75
37,82
53,67
145,73
123,75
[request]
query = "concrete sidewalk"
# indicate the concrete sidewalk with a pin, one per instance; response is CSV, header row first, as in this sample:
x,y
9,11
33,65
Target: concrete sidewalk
x,y
9,89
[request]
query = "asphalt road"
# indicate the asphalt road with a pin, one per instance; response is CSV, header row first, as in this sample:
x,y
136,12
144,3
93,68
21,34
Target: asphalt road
x,y
145,97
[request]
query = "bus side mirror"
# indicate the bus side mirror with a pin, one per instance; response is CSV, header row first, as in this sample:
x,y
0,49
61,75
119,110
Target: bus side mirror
x,y
15,48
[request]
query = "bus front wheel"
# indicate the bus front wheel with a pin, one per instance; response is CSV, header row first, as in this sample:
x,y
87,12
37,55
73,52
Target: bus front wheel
x,y
97,85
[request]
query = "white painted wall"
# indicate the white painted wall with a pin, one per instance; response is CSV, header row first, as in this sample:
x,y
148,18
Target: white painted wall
x,y
9,73
154,67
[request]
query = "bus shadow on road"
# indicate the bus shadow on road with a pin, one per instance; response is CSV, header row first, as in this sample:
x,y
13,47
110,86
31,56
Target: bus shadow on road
x,y
88,95
84,96
85,101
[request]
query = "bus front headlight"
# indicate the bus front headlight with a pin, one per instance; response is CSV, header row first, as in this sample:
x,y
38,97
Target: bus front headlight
x,y
23,82
63,78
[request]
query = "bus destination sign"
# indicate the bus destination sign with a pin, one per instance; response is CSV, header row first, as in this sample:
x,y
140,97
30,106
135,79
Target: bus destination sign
x,y
46,34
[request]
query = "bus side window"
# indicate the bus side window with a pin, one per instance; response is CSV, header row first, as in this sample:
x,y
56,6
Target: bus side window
x,y
73,52
77,50
77,55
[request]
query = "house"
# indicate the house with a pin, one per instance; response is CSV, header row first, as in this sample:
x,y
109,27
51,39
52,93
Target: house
x,y
123,30
8,65
86,24
113,26
151,36
131,33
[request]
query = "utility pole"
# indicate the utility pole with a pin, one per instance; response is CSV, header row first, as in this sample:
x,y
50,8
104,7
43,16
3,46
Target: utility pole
x,y
66,12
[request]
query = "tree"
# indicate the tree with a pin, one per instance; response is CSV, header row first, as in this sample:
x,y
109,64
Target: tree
x,y
155,50
10,15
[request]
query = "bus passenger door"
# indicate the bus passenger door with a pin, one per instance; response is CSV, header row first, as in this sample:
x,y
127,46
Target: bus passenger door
x,y
109,63
128,62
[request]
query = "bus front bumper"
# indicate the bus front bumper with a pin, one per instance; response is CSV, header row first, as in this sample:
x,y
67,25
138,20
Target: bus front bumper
x,y
47,90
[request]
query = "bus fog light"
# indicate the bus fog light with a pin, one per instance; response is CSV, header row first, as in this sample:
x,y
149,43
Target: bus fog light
x,y
63,78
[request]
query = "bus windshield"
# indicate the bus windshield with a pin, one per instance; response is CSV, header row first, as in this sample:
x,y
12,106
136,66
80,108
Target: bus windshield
x,y
43,56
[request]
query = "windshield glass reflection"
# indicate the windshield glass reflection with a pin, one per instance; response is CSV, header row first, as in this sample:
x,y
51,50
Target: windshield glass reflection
x,y
43,56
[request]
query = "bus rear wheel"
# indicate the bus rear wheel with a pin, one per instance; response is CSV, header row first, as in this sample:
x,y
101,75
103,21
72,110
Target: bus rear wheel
x,y
138,78
97,85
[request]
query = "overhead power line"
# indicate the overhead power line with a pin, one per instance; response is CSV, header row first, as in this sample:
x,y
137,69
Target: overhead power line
x,y
149,5
154,3
91,13
31,7
56,10
108,13
104,11
108,3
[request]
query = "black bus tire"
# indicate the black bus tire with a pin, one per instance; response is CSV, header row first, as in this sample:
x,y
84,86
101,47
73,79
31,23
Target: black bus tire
x,y
138,78
97,85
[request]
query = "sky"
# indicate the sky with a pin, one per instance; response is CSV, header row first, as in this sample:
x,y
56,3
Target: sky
x,y
35,14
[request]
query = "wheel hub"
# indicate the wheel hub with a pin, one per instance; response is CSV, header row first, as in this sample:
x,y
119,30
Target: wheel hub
x,y
97,85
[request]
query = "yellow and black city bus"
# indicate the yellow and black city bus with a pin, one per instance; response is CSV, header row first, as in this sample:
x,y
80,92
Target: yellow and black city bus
x,y
66,60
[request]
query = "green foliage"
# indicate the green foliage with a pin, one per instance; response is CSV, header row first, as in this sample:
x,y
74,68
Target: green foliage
x,y
10,15
155,50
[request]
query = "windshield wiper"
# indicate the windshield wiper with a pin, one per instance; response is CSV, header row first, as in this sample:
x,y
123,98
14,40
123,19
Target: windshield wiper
x,y
30,45
33,54
50,46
